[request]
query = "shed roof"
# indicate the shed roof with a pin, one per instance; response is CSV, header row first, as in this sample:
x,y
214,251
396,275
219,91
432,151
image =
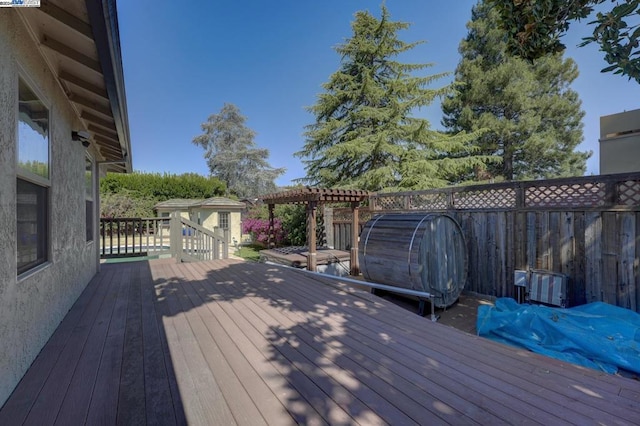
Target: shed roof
x,y
222,202
178,203
321,195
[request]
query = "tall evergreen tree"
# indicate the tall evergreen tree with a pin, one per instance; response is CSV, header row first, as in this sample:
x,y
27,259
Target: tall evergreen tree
x,y
365,135
532,116
232,155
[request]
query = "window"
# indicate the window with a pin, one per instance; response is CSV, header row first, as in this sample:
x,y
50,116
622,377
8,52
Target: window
x,y
32,196
88,183
223,220
33,135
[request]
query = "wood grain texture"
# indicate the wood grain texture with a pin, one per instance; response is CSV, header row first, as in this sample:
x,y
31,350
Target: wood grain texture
x,y
231,342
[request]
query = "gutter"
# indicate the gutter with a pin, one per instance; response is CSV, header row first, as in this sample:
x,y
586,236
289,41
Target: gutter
x,y
103,18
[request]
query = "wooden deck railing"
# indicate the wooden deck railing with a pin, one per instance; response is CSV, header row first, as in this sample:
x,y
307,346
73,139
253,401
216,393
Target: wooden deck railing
x,y
130,237
172,236
193,242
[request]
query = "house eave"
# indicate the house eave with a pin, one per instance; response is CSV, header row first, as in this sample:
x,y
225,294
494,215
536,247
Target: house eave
x,y
79,41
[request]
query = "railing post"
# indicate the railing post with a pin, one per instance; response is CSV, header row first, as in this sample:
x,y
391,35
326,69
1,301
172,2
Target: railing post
x,y
225,243
216,244
175,236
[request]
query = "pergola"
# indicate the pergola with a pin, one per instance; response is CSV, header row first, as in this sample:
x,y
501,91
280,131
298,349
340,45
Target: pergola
x,y
312,197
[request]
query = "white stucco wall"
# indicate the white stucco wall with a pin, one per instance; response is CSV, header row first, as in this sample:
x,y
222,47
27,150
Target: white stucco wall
x,y
210,220
33,306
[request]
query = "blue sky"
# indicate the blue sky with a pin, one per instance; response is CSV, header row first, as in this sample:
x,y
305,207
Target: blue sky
x,y
184,60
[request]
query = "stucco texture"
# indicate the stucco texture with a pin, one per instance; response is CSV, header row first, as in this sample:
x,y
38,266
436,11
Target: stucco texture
x,y
210,220
32,305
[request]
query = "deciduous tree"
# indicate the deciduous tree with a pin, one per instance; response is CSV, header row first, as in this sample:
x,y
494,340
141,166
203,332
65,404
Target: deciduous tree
x,y
535,29
232,155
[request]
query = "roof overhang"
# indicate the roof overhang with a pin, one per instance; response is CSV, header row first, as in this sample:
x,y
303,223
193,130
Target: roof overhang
x,y
80,42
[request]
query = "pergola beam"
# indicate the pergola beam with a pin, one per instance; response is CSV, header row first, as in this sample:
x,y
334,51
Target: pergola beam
x,y
312,197
312,260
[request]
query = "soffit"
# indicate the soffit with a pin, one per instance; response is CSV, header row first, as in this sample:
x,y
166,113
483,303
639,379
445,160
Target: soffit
x,y
78,56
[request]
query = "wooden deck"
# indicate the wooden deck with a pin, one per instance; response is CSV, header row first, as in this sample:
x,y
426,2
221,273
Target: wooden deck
x,y
229,342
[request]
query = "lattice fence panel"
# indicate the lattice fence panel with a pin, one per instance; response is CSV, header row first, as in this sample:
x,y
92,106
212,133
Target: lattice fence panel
x,y
429,201
390,202
342,215
499,198
629,193
364,216
587,194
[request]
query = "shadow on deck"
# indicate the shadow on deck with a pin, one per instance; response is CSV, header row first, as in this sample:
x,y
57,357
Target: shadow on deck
x,y
231,342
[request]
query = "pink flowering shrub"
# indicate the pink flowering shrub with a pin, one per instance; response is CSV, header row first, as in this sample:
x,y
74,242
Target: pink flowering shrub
x,y
259,230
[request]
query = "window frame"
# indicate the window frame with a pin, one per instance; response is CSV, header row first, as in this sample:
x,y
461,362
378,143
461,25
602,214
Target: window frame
x,y
33,178
228,220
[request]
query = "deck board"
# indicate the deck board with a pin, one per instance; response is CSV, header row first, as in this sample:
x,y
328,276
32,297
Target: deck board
x,y
562,396
402,384
78,397
104,398
131,401
51,396
229,342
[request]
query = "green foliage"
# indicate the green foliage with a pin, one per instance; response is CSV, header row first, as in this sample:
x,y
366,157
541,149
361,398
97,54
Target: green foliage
x,y
39,168
232,155
533,117
535,28
126,204
365,135
293,220
135,194
163,186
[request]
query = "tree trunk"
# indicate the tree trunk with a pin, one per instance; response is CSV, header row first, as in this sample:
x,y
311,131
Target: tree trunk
x,y
507,162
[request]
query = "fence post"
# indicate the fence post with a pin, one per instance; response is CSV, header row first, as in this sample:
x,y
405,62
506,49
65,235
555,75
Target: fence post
x,y
520,196
328,226
610,194
175,231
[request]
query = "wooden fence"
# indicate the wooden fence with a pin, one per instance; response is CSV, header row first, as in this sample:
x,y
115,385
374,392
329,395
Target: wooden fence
x,y
587,228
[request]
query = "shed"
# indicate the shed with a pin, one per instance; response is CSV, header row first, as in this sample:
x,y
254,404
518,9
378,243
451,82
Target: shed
x,y
211,213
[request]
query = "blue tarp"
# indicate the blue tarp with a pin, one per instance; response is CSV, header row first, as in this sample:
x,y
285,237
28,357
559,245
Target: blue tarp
x,y
595,335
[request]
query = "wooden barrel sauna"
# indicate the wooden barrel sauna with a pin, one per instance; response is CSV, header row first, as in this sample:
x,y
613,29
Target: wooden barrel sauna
x,y
422,252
